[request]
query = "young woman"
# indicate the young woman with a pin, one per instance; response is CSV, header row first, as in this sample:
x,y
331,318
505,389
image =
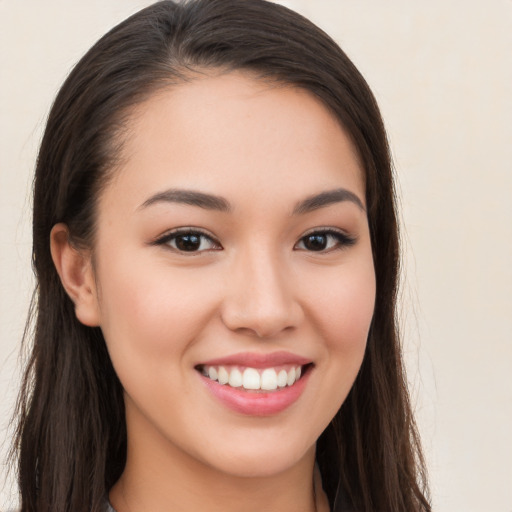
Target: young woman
x,y
216,250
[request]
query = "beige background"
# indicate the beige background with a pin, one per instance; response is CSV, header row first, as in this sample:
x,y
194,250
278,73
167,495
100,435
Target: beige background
x,y
442,73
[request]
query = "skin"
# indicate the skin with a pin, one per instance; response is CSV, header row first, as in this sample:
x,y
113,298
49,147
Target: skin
x,y
256,289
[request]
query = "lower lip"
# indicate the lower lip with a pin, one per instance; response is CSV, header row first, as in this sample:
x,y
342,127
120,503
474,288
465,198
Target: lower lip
x,y
260,403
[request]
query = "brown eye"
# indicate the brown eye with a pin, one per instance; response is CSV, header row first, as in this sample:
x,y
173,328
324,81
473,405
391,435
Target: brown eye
x,y
325,241
188,241
315,242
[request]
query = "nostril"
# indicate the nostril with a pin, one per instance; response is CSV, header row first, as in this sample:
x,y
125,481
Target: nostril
x,y
261,325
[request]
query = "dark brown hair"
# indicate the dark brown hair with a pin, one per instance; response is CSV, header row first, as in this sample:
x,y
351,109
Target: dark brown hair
x,y
71,436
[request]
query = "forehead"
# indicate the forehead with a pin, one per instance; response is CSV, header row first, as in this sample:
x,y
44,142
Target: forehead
x,y
237,132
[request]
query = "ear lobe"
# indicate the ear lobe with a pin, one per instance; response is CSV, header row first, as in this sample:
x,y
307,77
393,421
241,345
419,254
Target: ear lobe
x,y
76,274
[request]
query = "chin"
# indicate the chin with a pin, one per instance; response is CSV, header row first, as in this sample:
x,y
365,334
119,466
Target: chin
x,y
256,462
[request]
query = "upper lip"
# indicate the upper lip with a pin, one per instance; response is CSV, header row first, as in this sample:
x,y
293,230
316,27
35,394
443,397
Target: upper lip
x,y
257,360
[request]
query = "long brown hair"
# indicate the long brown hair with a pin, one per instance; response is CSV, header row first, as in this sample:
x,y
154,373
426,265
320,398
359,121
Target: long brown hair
x,y
71,434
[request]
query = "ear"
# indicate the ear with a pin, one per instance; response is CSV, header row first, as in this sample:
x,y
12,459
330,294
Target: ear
x,y
75,270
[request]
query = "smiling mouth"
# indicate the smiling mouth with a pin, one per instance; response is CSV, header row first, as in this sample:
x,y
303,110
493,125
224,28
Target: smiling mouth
x,y
255,379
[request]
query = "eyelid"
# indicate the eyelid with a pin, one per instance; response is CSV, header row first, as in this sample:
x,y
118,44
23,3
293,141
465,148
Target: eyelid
x,y
327,230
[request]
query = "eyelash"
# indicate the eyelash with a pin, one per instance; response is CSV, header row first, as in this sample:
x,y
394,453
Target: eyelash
x,y
342,240
168,238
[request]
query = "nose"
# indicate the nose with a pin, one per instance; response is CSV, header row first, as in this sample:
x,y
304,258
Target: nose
x,y
259,296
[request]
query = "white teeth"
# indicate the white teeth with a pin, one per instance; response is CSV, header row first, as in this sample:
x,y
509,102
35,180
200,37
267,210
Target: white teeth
x,y
251,379
223,375
269,379
282,378
291,377
235,378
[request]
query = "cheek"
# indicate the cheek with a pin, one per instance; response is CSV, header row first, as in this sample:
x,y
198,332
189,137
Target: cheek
x,y
344,309
151,312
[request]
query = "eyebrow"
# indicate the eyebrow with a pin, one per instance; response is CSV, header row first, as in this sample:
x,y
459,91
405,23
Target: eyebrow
x,y
190,197
213,202
325,199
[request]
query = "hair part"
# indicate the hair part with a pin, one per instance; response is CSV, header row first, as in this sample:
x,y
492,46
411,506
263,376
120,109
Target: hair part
x,y
71,434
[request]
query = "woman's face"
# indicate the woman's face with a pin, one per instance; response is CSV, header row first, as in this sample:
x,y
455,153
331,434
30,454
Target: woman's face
x,y
233,244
